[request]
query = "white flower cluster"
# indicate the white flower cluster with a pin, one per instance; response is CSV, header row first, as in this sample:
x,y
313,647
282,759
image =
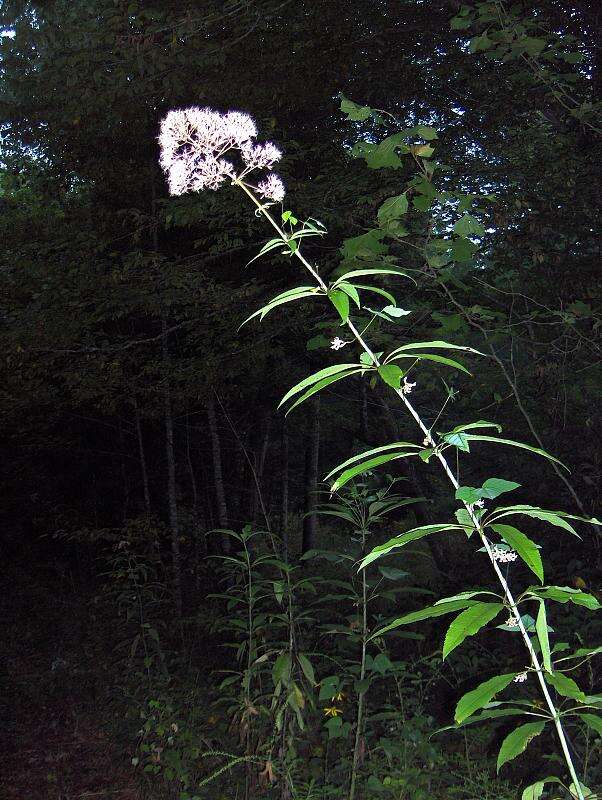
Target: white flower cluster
x,y
407,387
194,140
337,343
512,621
521,677
503,556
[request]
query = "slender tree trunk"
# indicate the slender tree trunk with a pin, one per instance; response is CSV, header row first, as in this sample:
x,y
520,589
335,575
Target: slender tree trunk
x,y
171,478
218,477
260,459
147,502
198,529
124,476
312,454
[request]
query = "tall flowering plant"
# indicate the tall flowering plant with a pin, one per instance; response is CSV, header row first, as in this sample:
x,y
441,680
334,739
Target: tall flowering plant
x,y
194,143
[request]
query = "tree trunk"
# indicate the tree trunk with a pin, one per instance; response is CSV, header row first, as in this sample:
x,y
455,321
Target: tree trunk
x,y
171,478
312,454
218,477
147,503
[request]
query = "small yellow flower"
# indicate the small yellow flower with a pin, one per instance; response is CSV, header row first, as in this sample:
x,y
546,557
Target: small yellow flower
x,y
338,697
332,711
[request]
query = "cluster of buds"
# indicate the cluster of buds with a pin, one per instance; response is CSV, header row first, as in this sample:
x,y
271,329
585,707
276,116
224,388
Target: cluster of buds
x,y
194,141
503,556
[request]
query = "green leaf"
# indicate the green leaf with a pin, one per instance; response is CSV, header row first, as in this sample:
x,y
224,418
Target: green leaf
x,y
317,376
307,668
557,518
426,132
593,721
354,112
392,573
469,226
535,791
463,250
433,345
541,626
286,297
566,594
367,245
468,495
391,375
449,362
512,443
395,312
516,742
393,208
369,453
358,273
525,548
494,487
317,387
459,440
350,291
365,466
469,622
341,302
400,541
566,686
482,695
424,613
382,292
281,671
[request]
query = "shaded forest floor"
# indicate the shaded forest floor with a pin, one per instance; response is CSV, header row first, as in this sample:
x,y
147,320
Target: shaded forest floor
x,y
55,737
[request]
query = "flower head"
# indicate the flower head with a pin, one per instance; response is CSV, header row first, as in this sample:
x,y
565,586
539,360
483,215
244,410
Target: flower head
x,y
193,141
512,621
260,156
502,555
332,711
407,387
272,188
521,677
337,343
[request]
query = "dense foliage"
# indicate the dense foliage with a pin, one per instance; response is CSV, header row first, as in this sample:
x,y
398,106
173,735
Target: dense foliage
x,y
153,493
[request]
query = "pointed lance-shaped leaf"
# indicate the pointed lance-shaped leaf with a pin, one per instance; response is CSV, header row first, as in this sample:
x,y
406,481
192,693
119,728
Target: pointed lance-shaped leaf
x,y
317,376
469,622
525,548
516,742
482,695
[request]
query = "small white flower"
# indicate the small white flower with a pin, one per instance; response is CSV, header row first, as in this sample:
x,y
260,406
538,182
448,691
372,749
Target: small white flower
x,y
479,503
521,677
512,621
407,386
337,343
428,440
260,156
503,556
272,188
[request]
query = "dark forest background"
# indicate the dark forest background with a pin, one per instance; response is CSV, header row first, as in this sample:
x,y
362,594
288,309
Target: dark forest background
x,y
136,418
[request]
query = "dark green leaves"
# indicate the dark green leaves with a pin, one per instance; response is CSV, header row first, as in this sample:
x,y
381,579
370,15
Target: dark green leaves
x,y
319,380
391,375
483,694
516,742
469,622
525,548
